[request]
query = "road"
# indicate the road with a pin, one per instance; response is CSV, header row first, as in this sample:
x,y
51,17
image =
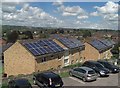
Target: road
x,y
112,80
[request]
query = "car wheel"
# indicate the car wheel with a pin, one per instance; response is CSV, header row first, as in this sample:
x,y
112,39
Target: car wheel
x,y
84,79
70,73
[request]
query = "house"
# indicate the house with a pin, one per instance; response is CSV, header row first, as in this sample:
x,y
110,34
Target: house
x,y
26,57
73,49
98,49
3,48
2,41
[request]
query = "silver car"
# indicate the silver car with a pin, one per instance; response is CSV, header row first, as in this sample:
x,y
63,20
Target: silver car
x,y
84,73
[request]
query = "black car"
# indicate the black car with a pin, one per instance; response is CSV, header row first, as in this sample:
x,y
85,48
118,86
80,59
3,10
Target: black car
x,y
19,83
99,68
111,67
48,79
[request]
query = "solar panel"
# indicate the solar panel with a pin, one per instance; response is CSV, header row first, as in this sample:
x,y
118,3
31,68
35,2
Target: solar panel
x,y
43,47
99,45
107,42
70,43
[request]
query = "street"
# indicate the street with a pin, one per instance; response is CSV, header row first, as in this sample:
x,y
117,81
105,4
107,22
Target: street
x,y
112,80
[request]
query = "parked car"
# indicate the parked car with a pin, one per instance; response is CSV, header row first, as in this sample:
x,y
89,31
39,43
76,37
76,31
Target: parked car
x,y
19,83
85,73
111,67
99,68
48,79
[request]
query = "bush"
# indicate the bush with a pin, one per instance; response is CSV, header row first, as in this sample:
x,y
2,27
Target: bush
x,y
73,65
64,74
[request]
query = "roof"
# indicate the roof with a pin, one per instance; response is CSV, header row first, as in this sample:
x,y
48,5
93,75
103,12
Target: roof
x,y
94,62
6,46
86,68
69,42
102,45
42,46
49,74
21,81
107,42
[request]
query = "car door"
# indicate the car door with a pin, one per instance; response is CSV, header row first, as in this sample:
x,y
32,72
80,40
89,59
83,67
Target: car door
x,y
75,72
81,73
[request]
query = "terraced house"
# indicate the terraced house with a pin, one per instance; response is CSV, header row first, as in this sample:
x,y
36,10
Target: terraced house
x,y
98,49
73,49
26,57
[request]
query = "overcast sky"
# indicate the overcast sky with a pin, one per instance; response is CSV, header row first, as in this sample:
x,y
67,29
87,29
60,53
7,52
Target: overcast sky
x,y
61,14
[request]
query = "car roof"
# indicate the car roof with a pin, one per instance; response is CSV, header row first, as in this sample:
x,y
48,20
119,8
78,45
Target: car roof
x,y
101,61
94,62
86,68
49,74
21,81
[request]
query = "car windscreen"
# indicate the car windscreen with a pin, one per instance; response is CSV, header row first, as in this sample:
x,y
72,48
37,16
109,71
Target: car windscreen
x,y
107,64
91,72
56,79
99,66
23,84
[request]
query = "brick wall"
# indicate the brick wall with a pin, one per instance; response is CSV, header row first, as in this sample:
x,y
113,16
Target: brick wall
x,y
90,52
51,63
17,60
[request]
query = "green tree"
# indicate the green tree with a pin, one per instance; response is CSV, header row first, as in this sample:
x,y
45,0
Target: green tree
x,y
28,34
87,33
12,36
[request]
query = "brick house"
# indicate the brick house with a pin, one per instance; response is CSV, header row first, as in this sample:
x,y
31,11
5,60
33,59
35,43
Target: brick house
x,y
98,49
23,57
26,57
2,41
73,49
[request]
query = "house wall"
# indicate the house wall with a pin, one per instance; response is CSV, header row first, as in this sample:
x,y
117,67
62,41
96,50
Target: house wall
x,y
106,55
74,55
53,62
90,53
17,60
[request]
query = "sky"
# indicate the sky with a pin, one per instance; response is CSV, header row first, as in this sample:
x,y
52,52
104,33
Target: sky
x,y
95,15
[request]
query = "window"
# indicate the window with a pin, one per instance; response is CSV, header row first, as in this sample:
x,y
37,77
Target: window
x,y
77,61
51,55
59,57
59,66
43,59
82,71
72,61
91,72
66,60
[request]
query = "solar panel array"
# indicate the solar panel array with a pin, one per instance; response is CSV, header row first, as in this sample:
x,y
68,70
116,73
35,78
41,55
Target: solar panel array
x,y
77,42
108,43
70,43
102,44
42,47
99,45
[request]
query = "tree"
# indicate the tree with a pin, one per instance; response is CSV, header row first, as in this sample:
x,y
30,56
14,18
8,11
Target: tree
x,y
87,34
12,36
61,31
28,34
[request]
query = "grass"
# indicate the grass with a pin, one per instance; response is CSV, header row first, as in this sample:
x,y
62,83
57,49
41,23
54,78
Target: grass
x,y
4,85
1,70
64,74
73,65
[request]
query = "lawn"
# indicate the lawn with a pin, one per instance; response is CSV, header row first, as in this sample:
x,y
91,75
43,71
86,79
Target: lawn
x,y
64,74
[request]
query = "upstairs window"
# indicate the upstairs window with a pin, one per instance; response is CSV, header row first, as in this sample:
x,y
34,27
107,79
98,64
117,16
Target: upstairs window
x,y
43,59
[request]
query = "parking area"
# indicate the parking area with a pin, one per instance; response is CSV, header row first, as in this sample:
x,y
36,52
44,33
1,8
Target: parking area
x,y
112,80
